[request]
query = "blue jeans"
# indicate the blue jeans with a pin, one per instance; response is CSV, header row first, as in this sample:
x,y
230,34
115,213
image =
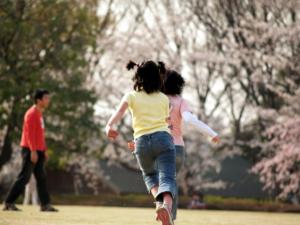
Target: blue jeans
x,y
180,159
155,154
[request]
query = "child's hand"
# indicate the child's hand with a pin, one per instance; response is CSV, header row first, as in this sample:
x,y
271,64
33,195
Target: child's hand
x,y
216,139
131,145
111,133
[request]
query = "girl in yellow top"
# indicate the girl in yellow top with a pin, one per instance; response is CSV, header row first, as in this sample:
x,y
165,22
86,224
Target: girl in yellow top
x,y
155,151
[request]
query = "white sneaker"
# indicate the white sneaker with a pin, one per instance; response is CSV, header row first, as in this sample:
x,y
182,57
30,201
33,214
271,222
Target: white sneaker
x,y
164,215
157,205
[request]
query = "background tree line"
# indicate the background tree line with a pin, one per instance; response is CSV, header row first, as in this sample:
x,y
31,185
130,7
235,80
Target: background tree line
x,y
240,60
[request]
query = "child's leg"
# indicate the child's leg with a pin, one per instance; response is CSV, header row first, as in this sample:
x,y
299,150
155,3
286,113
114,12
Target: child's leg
x,y
168,199
180,158
154,191
146,162
165,163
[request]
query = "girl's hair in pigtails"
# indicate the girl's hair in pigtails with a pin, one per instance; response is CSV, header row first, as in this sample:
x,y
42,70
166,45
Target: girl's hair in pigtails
x,y
162,67
148,75
130,65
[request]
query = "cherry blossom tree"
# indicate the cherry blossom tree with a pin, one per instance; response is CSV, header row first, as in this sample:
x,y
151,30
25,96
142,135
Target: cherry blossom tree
x,y
255,46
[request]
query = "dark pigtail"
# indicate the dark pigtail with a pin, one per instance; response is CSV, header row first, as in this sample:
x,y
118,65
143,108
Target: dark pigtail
x,y
162,67
130,65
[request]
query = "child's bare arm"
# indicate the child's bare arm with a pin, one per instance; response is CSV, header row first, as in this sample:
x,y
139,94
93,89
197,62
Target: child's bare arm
x,y
115,118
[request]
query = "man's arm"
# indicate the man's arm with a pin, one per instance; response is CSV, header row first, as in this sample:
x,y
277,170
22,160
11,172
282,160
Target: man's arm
x,y
32,123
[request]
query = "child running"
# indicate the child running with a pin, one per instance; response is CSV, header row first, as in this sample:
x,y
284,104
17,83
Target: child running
x,y
180,112
154,147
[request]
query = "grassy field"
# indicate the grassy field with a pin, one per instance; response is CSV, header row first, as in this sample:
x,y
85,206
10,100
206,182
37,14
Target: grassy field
x,y
83,215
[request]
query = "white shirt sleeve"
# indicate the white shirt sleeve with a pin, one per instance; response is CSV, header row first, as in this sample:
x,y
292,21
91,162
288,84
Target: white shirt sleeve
x,y
188,117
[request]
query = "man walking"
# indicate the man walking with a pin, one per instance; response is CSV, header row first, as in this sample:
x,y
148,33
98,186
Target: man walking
x,y
34,155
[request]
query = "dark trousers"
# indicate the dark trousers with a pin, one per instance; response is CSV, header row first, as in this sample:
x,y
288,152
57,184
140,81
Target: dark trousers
x,y
24,176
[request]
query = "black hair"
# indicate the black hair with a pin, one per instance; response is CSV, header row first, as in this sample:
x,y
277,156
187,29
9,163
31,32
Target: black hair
x,y
39,94
173,83
147,76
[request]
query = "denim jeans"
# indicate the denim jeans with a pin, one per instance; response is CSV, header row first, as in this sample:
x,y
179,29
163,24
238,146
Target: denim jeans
x,y
155,154
180,159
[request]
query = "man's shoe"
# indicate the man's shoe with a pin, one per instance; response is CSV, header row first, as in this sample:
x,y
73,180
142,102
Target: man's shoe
x,y
10,207
48,208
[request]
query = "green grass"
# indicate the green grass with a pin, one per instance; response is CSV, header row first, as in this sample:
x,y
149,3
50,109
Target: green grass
x,y
212,202
84,215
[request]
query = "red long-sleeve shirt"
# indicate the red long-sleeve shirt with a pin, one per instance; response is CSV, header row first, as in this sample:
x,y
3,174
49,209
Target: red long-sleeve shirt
x,y
33,134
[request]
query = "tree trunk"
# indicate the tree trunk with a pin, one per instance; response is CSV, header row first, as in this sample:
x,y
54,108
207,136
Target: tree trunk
x,y
6,150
